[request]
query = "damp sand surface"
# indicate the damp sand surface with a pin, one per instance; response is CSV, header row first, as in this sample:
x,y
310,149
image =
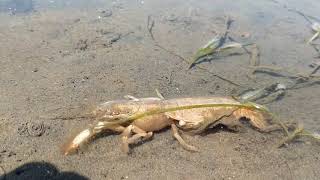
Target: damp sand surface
x,y
62,58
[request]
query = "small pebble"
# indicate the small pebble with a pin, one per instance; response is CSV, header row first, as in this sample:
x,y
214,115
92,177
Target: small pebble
x,y
106,13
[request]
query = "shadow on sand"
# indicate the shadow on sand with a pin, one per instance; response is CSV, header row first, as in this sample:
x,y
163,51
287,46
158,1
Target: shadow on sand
x,y
40,170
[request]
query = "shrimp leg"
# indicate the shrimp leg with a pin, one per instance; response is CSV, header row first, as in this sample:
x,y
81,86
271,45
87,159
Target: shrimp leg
x,y
181,141
128,138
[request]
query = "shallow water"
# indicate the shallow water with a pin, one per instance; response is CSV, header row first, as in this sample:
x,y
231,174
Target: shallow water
x,y
61,58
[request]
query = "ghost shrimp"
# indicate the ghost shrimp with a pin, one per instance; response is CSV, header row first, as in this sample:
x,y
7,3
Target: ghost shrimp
x,y
137,119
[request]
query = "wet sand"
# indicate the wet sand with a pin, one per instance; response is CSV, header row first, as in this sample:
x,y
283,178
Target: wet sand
x,y
62,62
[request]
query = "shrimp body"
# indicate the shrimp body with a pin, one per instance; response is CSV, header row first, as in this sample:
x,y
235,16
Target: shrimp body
x,y
194,114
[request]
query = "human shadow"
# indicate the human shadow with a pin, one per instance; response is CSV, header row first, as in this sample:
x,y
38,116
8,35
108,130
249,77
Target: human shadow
x,y
40,171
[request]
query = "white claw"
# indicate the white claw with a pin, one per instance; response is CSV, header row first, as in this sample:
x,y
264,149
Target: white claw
x,y
84,135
